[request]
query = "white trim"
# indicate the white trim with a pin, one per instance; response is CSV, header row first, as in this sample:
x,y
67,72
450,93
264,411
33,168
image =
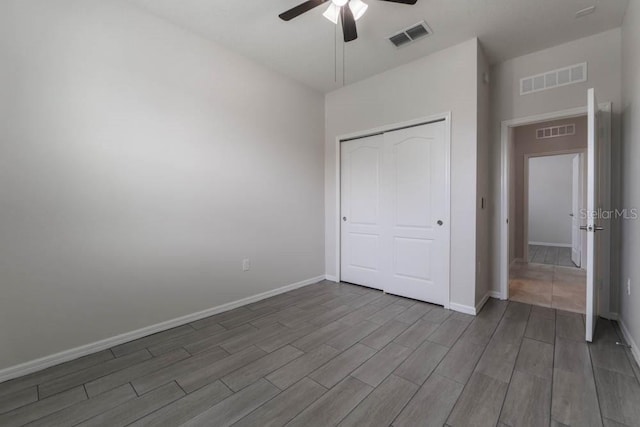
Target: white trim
x,y
495,294
74,353
467,309
555,245
331,278
446,116
635,350
461,308
504,181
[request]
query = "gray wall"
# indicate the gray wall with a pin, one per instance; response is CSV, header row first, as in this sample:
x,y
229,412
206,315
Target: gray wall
x,y
483,186
630,304
138,165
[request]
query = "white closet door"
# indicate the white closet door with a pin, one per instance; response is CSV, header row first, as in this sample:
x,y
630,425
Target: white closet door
x,y
415,219
361,167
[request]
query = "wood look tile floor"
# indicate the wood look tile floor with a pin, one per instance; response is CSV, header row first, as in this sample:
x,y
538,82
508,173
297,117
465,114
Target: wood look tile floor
x,y
563,288
338,354
550,255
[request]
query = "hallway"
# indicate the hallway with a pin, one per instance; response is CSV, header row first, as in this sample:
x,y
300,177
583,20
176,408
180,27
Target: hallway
x,y
562,288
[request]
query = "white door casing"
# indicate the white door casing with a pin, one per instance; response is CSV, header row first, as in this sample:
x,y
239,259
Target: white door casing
x,y
506,198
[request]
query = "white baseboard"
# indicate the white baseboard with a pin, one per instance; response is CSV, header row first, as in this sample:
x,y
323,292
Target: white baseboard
x,y
482,302
555,245
331,278
629,339
74,353
461,308
495,294
467,309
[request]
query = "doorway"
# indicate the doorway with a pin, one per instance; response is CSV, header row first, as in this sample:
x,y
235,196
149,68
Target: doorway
x,y
549,186
598,237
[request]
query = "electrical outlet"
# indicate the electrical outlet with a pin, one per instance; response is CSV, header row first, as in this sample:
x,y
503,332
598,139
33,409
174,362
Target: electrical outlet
x,y
629,286
246,264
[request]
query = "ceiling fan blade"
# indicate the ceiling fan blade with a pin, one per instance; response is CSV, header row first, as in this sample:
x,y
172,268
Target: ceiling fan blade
x,y
300,9
348,24
402,1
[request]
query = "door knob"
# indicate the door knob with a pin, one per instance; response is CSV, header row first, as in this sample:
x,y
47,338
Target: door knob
x,y
440,222
593,228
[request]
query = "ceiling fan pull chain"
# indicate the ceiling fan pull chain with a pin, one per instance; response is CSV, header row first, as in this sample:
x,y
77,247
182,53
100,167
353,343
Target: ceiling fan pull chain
x,y
343,49
335,54
344,62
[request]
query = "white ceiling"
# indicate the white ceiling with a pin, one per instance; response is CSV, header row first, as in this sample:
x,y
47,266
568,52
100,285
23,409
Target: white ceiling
x,y
304,48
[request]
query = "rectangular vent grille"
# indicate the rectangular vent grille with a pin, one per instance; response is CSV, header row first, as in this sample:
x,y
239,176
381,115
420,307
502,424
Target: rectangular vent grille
x,y
411,34
552,79
556,131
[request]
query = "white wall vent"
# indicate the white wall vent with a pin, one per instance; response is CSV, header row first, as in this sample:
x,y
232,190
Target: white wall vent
x,y
411,34
556,131
552,79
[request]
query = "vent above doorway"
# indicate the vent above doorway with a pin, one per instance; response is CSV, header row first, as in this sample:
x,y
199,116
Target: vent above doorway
x,y
551,79
411,34
556,131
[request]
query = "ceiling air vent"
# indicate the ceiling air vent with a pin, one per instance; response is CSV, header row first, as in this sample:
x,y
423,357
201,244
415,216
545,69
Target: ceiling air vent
x,y
411,34
552,79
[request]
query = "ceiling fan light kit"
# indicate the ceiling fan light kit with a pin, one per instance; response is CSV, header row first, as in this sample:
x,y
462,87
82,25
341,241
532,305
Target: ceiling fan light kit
x,y
332,13
349,10
358,8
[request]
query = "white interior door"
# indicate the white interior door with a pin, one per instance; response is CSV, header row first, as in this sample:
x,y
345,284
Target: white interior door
x,y
593,198
576,238
395,212
360,180
416,213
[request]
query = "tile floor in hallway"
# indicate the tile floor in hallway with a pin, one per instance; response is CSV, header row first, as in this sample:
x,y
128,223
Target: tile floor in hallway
x,y
338,354
563,288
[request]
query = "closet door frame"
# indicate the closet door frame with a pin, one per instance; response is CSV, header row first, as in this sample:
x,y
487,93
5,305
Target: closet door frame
x,y
446,117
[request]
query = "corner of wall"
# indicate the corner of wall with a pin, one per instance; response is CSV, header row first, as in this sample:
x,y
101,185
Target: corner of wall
x,y
483,212
630,198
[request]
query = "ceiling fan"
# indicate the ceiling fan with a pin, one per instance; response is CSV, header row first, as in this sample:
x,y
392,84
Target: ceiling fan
x,y
348,10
